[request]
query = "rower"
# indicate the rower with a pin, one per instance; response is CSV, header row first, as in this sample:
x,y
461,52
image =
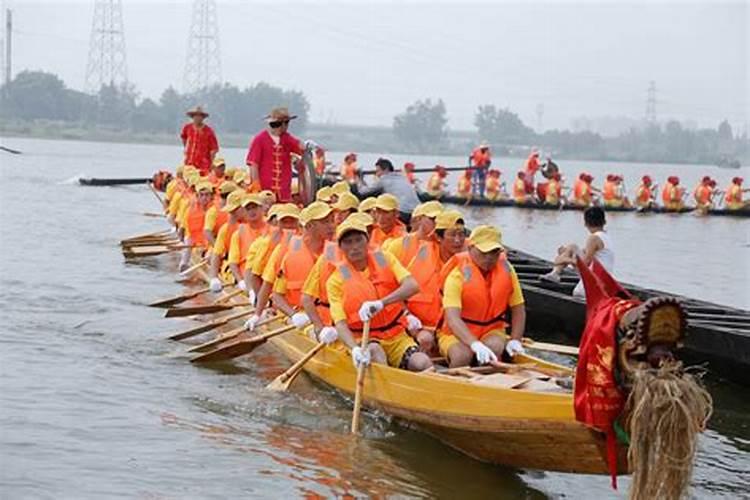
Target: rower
x,y
290,264
597,246
429,268
269,199
350,169
338,189
583,190
702,194
253,227
519,189
480,161
387,216
346,205
393,183
613,192
409,173
672,193
199,141
173,186
237,215
215,216
218,170
477,295
367,206
463,188
644,195
423,228
371,285
436,183
733,197
193,221
553,192
183,190
492,186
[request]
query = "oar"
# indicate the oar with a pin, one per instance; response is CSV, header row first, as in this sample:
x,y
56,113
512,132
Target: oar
x,y
153,190
151,251
230,295
150,243
213,344
240,347
192,332
284,381
194,268
147,235
179,298
360,380
153,214
544,346
181,312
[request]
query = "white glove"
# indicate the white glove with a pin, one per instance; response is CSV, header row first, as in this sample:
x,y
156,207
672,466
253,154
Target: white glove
x,y
251,296
242,285
328,335
251,322
360,357
299,320
484,353
215,285
370,308
514,347
413,324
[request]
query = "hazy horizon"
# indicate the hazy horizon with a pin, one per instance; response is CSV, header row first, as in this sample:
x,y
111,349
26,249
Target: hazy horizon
x,y
363,62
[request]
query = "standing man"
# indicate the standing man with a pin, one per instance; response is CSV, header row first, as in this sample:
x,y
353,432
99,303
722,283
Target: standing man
x,y
269,156
394,183
530,168
199,141
481,159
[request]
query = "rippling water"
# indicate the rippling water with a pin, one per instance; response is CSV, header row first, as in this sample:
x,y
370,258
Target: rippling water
x,y
94,402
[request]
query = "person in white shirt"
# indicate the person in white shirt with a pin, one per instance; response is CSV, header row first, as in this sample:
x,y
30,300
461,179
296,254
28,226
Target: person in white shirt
x,y
598,246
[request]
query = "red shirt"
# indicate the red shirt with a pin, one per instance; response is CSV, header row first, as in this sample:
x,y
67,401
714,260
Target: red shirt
x,y
274,162
199,144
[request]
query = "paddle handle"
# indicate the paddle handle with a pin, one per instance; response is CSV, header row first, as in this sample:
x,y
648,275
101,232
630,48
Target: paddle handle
x,y
360,381
205,328
227,297
194,267
292,371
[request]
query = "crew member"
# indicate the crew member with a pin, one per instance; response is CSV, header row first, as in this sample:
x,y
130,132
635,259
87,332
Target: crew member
x,y
553,193
583,190
464,189
367,206
519,189
346,205
530,168
371,286
269,156
386,215
237,216
338,189
394,183
672,193
644,195
702,194
199,141
480,160
193,219
436,183
215,216
283,223
477,296
492,187
218,172
244,236
423,228
733,197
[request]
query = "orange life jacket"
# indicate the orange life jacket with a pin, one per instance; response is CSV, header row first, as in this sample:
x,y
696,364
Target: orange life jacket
x,y
409,246
479,158
295,266
357,289
331,256
582,192
519,190
554,190
320,164
430,272
609,191
702,194
671,194
349,171
492,186
484,301
464,186
435,183
379,236
195,219
277,237
733,194
643,194
231,228
247,235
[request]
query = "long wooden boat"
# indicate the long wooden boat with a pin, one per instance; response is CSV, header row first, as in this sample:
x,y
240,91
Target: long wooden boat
x,y
496,418
93,181
718,335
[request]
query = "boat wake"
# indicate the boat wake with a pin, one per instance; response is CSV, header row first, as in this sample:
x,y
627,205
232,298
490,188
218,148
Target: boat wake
x,y
73,180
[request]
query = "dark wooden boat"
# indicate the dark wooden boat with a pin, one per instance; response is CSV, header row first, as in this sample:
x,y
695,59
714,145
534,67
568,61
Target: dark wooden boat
x,y
718,335
93,181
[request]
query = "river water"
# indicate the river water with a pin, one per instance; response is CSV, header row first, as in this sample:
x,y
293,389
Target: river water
x,y
94,403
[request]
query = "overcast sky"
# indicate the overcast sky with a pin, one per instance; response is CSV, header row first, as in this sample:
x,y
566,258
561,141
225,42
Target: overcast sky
x,y
363,62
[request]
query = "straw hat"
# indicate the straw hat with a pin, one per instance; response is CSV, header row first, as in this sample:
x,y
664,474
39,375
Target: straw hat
x,y
198,110
279,114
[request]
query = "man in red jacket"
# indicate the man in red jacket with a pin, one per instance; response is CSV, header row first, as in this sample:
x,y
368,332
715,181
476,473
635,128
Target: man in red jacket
x,y
199,141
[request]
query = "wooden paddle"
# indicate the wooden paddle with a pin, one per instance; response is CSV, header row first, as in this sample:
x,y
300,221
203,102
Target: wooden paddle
x,y
239,347
147,235
220,339
545,346
364,344
150,251
158,197
181,312
179,298
192,332
284,381
194,268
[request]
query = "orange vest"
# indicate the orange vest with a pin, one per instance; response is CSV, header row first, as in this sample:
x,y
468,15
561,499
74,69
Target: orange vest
x,y
349,171
320,164
464,186
379,236
643,195
295,266
609,191
670,194
222,218
430,273
582,192
331,256
492,186
247,236
733,195
484,301
519,190
409,246
435,183
702,194
196,217
357,289
278,237
554,189
480,159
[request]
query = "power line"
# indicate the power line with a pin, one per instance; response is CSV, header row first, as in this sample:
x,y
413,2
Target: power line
x,y
107,63
203,61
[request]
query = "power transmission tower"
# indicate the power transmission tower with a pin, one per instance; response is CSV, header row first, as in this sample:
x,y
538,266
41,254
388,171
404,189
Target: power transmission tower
x,y
107,64
202,62
651,103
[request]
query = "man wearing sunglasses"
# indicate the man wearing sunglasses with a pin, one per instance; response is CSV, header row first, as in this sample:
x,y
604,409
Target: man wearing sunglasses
x,y
269,157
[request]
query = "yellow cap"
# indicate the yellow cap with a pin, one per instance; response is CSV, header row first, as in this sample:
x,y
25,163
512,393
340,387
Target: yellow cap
x,y
347,201
204,186
348,226
180,169
486,238
227,187
234,201
340,188
252,198
192,178
219,162
287,210
268,196
386,202
239,177
361,218
324,194
448,219
428,208
315,211
367,204
273,210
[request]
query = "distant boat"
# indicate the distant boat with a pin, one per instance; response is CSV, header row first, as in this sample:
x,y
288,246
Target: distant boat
x,y
727,163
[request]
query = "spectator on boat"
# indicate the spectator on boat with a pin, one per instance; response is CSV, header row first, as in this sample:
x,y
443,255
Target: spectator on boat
x,y
254,226
464,189
393,183
478,294
422,229
388,218
349,169
436,183
480,160
530,168
672,194
270,155
733,197
702,194
371,285
430,267
553,191
199,141
597,246
519,189
583,190
493,189
644,195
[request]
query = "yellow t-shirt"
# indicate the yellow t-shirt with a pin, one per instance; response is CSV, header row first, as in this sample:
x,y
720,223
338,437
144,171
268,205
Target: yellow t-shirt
x,y
169,191
182,212
312,283
335,285
174,203
209,222
234,248
269,273
394,246
219,247
454,285
258,248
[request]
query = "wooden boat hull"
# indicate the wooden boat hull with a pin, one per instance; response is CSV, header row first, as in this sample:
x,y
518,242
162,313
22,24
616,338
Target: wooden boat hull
x,y
93,181
510,427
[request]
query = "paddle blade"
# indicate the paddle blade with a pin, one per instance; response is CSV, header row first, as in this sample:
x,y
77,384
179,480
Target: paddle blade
x,y
230,351
282,382
213,344
179,298
209,326
179,312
